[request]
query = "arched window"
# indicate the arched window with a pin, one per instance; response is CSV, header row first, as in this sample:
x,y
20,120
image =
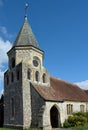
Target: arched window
x,y
12,77
82,108
69,109
18,75
29,74
44,78
37,76
13,62
12,108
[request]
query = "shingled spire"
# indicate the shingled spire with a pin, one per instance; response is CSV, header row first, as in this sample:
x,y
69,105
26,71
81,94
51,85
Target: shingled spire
x,y
25,36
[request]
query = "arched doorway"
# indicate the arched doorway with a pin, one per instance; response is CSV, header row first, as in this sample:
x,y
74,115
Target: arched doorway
x,y
54,117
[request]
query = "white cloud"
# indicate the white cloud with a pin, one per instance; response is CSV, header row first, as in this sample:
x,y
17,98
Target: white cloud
x,y
1,82
4,31
1,75
1,3
83,84
4,47
1,92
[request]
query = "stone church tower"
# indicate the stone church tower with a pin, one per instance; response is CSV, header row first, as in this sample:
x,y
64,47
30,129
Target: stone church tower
x,y
25,68
32,98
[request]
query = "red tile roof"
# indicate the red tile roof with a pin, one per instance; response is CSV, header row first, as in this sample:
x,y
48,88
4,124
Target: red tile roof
x,y
60,90
86,92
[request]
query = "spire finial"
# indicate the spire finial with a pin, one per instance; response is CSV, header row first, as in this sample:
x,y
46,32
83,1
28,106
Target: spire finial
x,y
26,7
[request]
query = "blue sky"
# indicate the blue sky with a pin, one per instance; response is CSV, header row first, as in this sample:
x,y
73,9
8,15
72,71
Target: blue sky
x,y
61,29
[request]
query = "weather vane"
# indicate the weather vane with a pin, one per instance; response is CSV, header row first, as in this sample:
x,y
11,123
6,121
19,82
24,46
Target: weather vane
x,y
26,8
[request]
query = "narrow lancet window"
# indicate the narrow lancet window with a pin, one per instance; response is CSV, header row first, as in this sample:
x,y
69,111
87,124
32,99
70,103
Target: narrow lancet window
x,y
29,74
12,108
37,76
69,109
82,108
13,62
12,77
18,75
7,80
44,78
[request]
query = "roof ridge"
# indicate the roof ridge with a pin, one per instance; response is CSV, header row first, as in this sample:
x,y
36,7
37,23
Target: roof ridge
x,y
64,81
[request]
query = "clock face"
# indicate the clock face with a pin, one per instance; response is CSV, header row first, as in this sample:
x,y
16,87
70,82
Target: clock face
x,y
35,63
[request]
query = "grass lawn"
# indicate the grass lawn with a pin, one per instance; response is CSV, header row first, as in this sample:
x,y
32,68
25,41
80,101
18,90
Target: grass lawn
x,y
74,128
16,129
6,129
80,128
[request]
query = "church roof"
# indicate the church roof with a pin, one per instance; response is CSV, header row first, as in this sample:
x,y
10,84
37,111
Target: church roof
x,y
86,92
61,91
25,36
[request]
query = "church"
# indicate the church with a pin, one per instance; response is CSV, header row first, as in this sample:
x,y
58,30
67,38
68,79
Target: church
x,y
32,98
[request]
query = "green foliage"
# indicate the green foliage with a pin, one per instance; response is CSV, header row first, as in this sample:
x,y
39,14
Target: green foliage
x,y
33,129
78,119
80,128
16,129
79,114
84,114
66,124
6,129
87,115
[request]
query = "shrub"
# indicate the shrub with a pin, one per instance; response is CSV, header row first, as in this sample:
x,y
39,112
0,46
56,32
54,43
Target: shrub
x,y
79,114
72,120
87,115
66,124
76,120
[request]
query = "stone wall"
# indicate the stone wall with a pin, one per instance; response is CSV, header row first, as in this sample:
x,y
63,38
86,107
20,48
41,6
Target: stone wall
x,y
26,56
37,103
27,53
32,102
26,97
62,111
13,90
20,90
1,110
